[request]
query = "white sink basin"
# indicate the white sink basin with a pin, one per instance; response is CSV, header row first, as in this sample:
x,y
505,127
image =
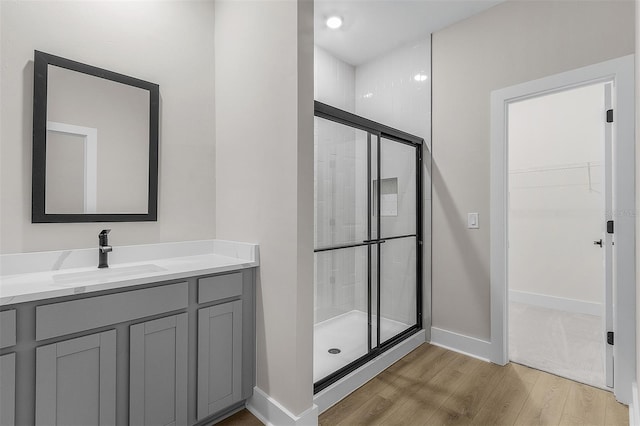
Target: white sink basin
x,y
105,274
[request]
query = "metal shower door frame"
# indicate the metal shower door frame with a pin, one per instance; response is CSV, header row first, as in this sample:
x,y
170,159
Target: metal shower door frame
x,y
377,131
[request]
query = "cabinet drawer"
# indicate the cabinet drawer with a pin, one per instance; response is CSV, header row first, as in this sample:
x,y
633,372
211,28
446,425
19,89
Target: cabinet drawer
x,y
7,328
219,287
63,318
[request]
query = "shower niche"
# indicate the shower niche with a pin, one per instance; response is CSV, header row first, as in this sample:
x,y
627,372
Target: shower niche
x,y
368,241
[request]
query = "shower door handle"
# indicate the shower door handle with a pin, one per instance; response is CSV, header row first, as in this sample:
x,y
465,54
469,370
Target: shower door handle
x,y
598,243
374,241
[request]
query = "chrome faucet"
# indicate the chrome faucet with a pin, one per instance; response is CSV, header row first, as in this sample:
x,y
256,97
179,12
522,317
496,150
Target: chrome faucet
x,y
103,249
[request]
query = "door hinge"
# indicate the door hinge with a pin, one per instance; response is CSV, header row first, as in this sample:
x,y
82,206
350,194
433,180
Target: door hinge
x,y
609,116
609,227
610,337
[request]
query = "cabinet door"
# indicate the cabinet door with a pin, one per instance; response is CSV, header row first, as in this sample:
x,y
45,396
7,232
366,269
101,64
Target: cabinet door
x,y
76,381
7,389
158,372
219,357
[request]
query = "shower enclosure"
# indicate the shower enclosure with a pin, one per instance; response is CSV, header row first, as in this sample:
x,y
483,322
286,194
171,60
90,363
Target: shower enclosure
x,y
368,241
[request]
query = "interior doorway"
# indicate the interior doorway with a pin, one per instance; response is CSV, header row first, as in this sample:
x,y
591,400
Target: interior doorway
x,y
559,253
620,337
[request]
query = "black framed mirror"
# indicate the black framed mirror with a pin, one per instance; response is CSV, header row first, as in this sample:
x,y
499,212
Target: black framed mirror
x,y
95,144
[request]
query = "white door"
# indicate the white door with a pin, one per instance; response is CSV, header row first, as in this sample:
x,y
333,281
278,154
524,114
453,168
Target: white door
x,y
608,232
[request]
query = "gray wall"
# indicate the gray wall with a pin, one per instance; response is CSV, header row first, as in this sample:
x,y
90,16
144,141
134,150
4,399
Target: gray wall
x,y
513,42
637,196
264,171
169,43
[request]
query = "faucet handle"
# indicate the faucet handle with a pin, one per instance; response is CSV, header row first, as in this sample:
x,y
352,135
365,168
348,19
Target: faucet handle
x,y
102,237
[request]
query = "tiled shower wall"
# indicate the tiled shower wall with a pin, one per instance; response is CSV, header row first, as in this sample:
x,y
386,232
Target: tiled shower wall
x,y
334,81
385,90
334,189
388,91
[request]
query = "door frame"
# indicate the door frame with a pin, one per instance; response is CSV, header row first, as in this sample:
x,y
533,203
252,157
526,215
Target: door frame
x,y
620,72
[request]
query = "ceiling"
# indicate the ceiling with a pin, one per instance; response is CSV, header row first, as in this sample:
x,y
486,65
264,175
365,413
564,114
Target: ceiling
x,y
374,27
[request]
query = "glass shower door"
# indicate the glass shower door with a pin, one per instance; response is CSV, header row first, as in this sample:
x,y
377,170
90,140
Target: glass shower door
x,y
398,223
367,233
341,324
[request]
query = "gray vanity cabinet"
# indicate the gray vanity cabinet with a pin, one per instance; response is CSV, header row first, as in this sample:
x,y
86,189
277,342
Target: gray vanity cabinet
x,y
158,372
167,353
76,381
8,389
219,357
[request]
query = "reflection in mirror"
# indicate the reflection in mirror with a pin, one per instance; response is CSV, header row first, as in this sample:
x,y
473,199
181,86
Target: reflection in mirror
x,y
95,144
71,169
117,116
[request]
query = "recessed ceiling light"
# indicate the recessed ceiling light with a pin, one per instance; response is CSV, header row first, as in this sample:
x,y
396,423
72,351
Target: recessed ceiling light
x,y
420,77
368,95
334,22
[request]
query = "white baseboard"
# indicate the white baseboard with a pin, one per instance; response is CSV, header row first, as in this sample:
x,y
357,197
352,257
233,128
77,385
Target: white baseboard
x,y
466,345
272,413
329,396
560,303
634,407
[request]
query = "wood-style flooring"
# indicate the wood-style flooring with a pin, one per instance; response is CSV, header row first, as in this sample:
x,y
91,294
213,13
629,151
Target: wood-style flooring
x,y
435,386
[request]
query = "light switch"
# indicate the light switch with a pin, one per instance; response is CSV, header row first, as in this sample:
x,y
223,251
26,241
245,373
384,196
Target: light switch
x,y
472,221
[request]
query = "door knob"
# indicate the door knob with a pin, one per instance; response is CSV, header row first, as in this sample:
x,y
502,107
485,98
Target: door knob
x,y
598,243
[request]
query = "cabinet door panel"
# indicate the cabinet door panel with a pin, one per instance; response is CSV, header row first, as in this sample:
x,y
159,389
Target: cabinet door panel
x,y
8,390
219,357
7,328
158,372
75,381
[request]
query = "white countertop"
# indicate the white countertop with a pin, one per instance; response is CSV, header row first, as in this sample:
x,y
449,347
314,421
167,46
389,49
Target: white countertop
x,y
27,277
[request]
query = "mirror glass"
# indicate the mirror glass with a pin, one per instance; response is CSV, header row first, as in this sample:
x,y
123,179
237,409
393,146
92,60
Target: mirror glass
x,y
95,143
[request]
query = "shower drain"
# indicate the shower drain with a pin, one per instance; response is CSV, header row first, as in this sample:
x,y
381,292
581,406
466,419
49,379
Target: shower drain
x,y
334,351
